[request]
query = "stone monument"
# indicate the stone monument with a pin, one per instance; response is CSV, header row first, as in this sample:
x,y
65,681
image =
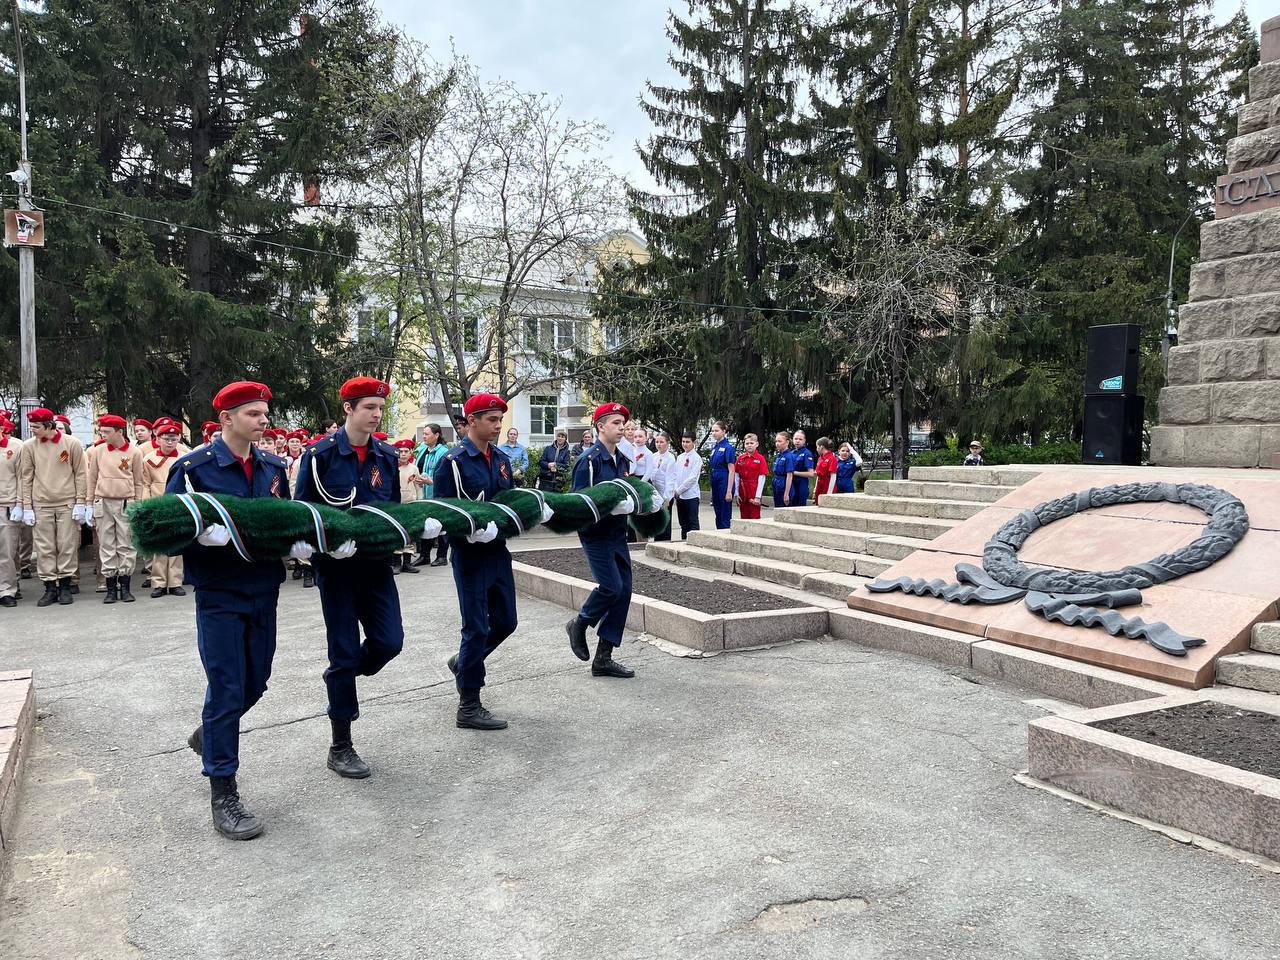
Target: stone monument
x,y
1221,407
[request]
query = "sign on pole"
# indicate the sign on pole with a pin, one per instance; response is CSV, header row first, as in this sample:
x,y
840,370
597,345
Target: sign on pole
x,y
23,228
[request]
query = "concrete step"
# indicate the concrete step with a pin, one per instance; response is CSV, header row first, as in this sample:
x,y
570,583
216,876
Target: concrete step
x,y
903,506
824,558
1266,637
851,541
1003,476
775,571
837,586
938,490
919,528
1255,671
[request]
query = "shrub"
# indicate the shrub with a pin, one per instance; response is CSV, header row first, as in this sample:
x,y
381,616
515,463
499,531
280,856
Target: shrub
x,y
996,454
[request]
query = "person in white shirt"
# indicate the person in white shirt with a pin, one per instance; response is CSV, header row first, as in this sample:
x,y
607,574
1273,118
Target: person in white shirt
x,y
688,495
643,460
627,446
664,464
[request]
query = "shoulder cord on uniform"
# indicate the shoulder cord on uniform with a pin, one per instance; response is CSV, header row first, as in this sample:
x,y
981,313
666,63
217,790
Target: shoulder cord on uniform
x,y
370,508
328,498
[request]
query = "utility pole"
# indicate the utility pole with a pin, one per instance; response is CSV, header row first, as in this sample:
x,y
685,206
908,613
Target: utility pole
x,y
26,256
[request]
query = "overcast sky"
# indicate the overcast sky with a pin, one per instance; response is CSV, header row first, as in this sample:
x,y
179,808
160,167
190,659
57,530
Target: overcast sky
x,y
594,54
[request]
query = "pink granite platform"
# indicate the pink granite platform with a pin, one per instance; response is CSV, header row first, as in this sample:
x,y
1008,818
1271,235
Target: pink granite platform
x,y
1220,604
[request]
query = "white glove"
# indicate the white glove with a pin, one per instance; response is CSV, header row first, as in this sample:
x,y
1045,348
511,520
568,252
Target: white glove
x,y
547,513
29,518
655,503
77,513
301,551
626,505
486,534
431,528
88,515
344,551
214,535
15,513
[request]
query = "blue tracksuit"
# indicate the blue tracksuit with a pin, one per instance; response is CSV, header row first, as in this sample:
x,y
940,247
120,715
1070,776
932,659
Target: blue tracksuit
x,y
605,546
235,600
722,458
846,471
801,459
781,467
481,571
359,591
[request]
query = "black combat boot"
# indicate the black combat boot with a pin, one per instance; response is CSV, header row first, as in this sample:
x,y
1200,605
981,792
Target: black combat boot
x,y
112,594
196,740
230,818
126,595
308,578
65,591
50,594
605,666
473,716
406,564
343,759
577,630
177,592
158,592
297,570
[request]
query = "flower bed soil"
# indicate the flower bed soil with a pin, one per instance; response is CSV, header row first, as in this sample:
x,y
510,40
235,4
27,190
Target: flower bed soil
x,y
1212,731
701,595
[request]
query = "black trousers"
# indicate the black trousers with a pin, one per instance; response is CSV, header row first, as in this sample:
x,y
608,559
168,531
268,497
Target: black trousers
x,y
666,531
687,511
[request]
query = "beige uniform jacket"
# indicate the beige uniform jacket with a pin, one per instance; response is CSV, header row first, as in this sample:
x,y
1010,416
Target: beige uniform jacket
x,y
53,472
10,477
115,473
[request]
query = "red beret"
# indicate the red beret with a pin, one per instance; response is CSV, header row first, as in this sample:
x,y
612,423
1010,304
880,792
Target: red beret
x,y
239,393
358,387
379,436
208,428
63,418
160,422
608,410
142,422
483,403
298,435
164,428
403,444
41,415
111,420
6,424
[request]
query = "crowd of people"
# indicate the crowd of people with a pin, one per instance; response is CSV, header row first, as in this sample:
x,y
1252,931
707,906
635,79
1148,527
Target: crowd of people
x,y
59,494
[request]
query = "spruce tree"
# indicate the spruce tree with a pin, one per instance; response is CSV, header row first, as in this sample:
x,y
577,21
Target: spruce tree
x,y
721,226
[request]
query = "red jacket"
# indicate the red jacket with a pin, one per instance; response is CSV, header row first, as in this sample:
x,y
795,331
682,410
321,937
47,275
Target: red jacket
x,y
751,470
826,471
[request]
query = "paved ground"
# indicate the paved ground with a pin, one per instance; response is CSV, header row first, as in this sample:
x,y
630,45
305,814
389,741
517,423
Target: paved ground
x,y
816,800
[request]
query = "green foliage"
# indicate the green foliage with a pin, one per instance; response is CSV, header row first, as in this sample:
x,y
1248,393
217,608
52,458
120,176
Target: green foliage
x,y
996,454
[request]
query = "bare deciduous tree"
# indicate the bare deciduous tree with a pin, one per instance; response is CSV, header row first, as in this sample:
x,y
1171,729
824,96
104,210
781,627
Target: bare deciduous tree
x,y
900,281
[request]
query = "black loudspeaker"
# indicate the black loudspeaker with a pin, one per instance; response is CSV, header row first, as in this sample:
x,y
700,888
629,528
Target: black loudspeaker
x,y
1113,429
1111,366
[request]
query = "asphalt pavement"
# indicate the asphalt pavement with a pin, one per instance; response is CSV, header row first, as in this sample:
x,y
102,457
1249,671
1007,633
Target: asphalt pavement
x,y
815,800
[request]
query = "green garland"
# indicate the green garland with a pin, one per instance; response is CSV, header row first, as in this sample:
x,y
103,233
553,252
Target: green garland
x,y
267,528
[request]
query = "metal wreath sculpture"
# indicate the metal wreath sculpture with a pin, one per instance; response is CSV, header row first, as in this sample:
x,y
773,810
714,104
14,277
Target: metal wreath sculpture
x,y
1073,596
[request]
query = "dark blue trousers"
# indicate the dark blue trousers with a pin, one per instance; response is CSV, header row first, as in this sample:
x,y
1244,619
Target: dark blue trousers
x,y
722,507
799,493
607,605
487,601
779,488
236,636
687,513
356,593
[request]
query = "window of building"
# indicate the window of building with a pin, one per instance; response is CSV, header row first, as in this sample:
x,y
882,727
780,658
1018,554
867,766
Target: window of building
x,y
543,413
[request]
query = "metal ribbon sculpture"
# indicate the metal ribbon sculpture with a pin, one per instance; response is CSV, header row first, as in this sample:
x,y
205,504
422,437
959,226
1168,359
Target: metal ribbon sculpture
x,y
1074,596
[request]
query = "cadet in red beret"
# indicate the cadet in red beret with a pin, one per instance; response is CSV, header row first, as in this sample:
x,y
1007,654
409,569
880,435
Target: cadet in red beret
x,y
11,512
116,479
353,469
236,594
143,431
605,546
477,469
54,486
